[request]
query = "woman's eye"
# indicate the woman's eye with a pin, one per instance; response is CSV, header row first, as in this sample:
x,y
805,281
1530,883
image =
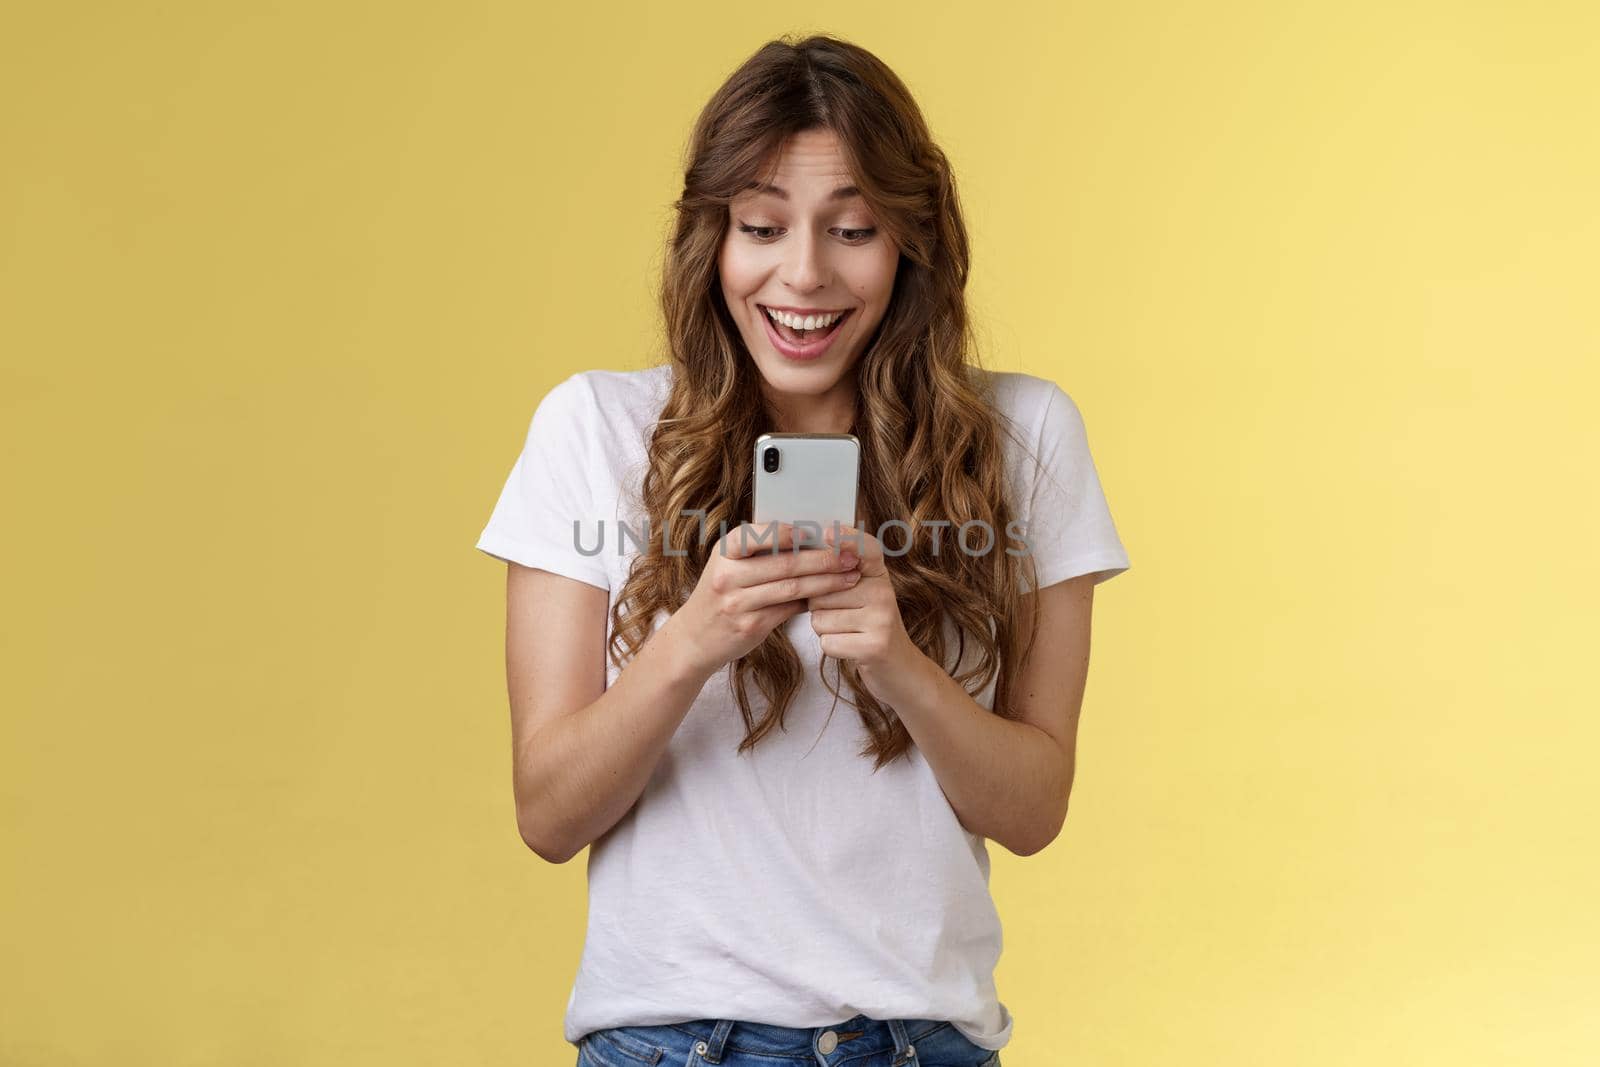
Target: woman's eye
x,y
764,233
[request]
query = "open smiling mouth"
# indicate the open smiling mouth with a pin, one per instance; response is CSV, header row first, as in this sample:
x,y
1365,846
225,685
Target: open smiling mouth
x,y
801,344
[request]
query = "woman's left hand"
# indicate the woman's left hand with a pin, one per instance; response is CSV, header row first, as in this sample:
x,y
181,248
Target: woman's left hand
x,y
862,624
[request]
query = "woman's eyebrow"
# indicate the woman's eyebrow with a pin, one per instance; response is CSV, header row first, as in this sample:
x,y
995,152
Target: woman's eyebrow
x,y
844,192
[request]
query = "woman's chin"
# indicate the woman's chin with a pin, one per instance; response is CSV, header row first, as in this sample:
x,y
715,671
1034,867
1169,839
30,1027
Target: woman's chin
x,y
799,379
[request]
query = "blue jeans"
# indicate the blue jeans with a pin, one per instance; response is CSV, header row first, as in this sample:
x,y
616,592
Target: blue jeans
x,y
857,1042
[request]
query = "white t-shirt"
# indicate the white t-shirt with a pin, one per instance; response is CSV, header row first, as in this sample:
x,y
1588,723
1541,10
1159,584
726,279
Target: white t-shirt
x,y
791,885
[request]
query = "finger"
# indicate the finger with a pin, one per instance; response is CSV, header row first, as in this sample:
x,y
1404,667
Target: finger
x,y
849,597
802,587
837,620
844,646
777,614
856,539
788,563
748,538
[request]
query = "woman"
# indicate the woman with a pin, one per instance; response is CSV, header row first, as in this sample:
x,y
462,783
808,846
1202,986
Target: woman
x,y
770,883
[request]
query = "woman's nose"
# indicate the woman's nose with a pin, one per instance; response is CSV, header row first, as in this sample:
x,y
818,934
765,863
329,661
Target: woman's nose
x,y
805,266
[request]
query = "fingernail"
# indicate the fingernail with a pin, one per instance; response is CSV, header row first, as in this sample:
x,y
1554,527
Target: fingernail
x,y
847,558
850,578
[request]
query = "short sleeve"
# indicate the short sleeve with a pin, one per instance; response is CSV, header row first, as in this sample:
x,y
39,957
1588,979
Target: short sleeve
x,y
1069,524
551,487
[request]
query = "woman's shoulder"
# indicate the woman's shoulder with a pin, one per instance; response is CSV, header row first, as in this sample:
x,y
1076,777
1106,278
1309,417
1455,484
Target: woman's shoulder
x,y
1022,398
605,392
619,399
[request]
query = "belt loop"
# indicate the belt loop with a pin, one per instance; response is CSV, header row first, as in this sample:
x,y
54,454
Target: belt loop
x,y
904,1052
712,1053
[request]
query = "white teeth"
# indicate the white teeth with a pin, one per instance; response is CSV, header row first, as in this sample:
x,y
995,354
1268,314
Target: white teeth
x,y
804,322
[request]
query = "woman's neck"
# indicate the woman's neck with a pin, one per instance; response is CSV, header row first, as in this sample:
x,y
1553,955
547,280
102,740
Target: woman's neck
x,y
831,412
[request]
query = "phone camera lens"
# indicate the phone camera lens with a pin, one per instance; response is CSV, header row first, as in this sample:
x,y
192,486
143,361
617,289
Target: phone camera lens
x,y
769,459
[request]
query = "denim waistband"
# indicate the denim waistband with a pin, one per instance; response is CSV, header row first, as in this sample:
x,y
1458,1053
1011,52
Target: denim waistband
x,y
856,1035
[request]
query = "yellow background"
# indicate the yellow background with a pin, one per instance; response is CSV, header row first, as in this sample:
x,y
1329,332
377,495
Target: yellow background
x,y
281,285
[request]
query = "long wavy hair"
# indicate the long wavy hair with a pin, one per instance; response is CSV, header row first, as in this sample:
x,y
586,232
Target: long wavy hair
x,y
931,445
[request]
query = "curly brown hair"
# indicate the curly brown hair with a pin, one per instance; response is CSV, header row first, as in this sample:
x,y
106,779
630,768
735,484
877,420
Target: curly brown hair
x,y
931,442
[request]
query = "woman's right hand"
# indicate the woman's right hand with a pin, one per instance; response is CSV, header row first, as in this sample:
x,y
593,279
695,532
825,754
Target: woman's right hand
x,y
747,589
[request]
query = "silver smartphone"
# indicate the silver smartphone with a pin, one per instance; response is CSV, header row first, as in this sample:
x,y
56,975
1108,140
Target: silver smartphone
x,y
806,477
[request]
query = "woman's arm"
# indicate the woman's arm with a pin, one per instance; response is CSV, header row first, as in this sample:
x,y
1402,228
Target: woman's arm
x,y
1007,780
582,752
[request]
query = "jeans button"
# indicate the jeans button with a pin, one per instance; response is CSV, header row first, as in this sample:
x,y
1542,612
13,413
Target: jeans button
x,y
828,1042
700,1047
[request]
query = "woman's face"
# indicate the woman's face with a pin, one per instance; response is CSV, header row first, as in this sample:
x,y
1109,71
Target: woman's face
x,y
807,245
